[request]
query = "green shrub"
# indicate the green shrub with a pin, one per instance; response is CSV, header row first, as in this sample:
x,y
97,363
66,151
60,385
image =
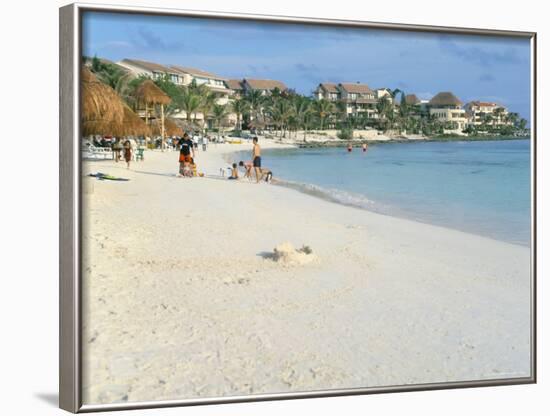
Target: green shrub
x,y
345,134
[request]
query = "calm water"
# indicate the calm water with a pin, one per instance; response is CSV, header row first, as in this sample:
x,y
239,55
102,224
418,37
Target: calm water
x,y
478,187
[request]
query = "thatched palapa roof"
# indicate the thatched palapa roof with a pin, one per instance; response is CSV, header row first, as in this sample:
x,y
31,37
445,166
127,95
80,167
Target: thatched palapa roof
x,y
445,99
131,125
100,104
170,127
149,93
412,99
103,111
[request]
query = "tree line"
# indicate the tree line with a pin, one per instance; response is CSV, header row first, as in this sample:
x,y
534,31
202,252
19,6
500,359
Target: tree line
x,y
287,113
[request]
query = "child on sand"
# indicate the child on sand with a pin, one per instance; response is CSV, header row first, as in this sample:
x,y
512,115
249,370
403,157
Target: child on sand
x,y
267,174
234,172
248,168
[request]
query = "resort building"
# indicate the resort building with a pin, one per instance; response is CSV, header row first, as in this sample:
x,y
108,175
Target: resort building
x,y
184,76
151,70
327,91
214,82
383,92
236,86
359,98
419,107
447,108
483,112
265,86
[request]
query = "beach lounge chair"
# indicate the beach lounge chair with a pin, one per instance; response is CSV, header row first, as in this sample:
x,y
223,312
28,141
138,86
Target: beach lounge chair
x,y
89,151
139,153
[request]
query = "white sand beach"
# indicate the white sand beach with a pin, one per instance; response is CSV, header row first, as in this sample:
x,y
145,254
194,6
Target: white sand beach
x,y
181,299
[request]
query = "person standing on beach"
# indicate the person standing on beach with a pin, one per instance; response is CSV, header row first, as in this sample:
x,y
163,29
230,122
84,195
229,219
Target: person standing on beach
x,y
127,153
195,140
204,143
117,147
257,159
187,153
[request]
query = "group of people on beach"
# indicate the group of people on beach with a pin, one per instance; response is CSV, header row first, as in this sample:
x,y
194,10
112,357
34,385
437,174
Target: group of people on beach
x,y
255,164
187,165
125,148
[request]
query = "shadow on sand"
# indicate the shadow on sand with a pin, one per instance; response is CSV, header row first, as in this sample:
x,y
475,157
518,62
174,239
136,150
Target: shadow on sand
x,y
50,398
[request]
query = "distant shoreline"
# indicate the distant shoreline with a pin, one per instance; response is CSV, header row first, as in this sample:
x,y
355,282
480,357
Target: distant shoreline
x,y
345,143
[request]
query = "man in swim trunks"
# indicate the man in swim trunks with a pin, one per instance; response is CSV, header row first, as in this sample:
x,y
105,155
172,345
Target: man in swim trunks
x,y
257,159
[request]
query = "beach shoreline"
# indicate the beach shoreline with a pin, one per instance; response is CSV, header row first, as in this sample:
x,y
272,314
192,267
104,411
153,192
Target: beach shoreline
x,y
182,299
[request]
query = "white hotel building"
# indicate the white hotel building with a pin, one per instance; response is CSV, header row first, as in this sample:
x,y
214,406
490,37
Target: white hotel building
x,y
183,76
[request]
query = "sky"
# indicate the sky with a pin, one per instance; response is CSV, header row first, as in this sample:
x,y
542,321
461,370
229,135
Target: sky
x,y
472,67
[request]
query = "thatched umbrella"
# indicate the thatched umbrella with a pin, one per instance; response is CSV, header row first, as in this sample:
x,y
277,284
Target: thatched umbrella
x,y
170,128
445,99
100,105
149,93
132,125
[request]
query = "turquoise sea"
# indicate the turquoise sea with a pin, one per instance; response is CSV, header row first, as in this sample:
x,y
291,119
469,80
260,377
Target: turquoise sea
x,y
481,187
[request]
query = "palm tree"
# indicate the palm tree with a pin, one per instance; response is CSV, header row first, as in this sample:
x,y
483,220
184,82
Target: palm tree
x,y
396,91
125,88
219,112
522,124
208,101
499,114
385,111
322,108
487,119
256,102
281,111
341,109
240,107
190,103
384,107
302,107
307,121
116,77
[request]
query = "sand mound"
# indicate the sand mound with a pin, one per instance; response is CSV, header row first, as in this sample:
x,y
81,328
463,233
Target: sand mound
x,y
285,253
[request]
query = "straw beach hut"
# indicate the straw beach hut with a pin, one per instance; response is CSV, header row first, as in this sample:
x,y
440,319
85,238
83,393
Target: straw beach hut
x,y
104,112
101,107
170,128
149,93
132,125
